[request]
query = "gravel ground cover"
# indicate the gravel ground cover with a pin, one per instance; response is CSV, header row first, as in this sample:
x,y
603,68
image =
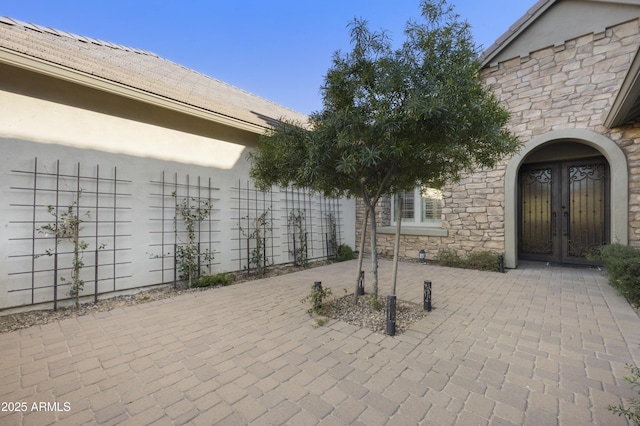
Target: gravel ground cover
x,y
365,315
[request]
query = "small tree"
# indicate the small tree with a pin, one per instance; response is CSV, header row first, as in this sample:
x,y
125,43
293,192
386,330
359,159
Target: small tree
x,y
392,119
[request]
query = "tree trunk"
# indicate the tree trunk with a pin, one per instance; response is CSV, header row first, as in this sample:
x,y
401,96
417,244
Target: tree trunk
x,y
361,254
374,251
396,246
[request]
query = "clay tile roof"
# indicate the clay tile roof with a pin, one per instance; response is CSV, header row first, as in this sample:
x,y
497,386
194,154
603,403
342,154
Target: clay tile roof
x,y
141,70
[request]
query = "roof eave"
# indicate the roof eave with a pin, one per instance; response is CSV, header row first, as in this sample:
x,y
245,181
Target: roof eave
x,y
627,100
30,63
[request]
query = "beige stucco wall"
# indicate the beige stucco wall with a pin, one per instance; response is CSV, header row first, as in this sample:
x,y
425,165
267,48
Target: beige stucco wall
x,y
557,93
56,121
53,123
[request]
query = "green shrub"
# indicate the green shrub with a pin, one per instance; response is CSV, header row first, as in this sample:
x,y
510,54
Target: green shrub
x,y
316,298
222,279
632,413
480,260
344,253
622,264
483,261
448,257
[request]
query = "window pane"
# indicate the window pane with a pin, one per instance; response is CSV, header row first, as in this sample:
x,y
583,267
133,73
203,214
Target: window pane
x,y
431,205
408,206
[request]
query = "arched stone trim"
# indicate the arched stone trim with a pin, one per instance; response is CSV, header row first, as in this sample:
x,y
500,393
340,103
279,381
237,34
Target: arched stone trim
x,y
619,185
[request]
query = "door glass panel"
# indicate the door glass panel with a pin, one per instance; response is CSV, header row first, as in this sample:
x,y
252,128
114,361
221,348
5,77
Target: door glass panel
x,y
537,222
586,219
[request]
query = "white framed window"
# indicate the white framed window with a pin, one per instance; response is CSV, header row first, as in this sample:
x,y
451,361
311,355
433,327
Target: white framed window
x,y
420,207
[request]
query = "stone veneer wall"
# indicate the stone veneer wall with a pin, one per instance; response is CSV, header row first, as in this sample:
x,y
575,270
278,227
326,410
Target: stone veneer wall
x,y
570,86
473,216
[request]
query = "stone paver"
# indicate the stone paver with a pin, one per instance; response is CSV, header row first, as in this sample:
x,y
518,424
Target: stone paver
x,y
537,345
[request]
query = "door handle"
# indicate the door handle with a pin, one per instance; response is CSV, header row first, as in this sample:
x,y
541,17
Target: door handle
x,y
565,228
554,223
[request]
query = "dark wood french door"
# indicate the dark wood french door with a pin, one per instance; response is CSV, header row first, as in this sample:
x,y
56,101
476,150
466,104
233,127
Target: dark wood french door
x,y
563,210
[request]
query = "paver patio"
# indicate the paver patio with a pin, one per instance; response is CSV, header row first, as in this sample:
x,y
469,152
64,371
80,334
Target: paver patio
x,y
540,345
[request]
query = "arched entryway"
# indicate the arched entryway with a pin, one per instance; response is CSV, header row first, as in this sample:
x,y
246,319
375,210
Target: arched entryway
x,y
563,203
559,171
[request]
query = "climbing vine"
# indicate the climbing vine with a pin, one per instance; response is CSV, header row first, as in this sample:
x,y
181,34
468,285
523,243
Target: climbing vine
x,y
257,237
298,232
189,255
332,237
66,229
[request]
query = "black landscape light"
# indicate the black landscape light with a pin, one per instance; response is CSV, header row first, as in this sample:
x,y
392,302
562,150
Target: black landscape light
x,y
361,284
427,296
391,315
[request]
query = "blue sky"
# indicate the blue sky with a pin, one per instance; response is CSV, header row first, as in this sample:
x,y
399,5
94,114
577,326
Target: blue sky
x,y
276,49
